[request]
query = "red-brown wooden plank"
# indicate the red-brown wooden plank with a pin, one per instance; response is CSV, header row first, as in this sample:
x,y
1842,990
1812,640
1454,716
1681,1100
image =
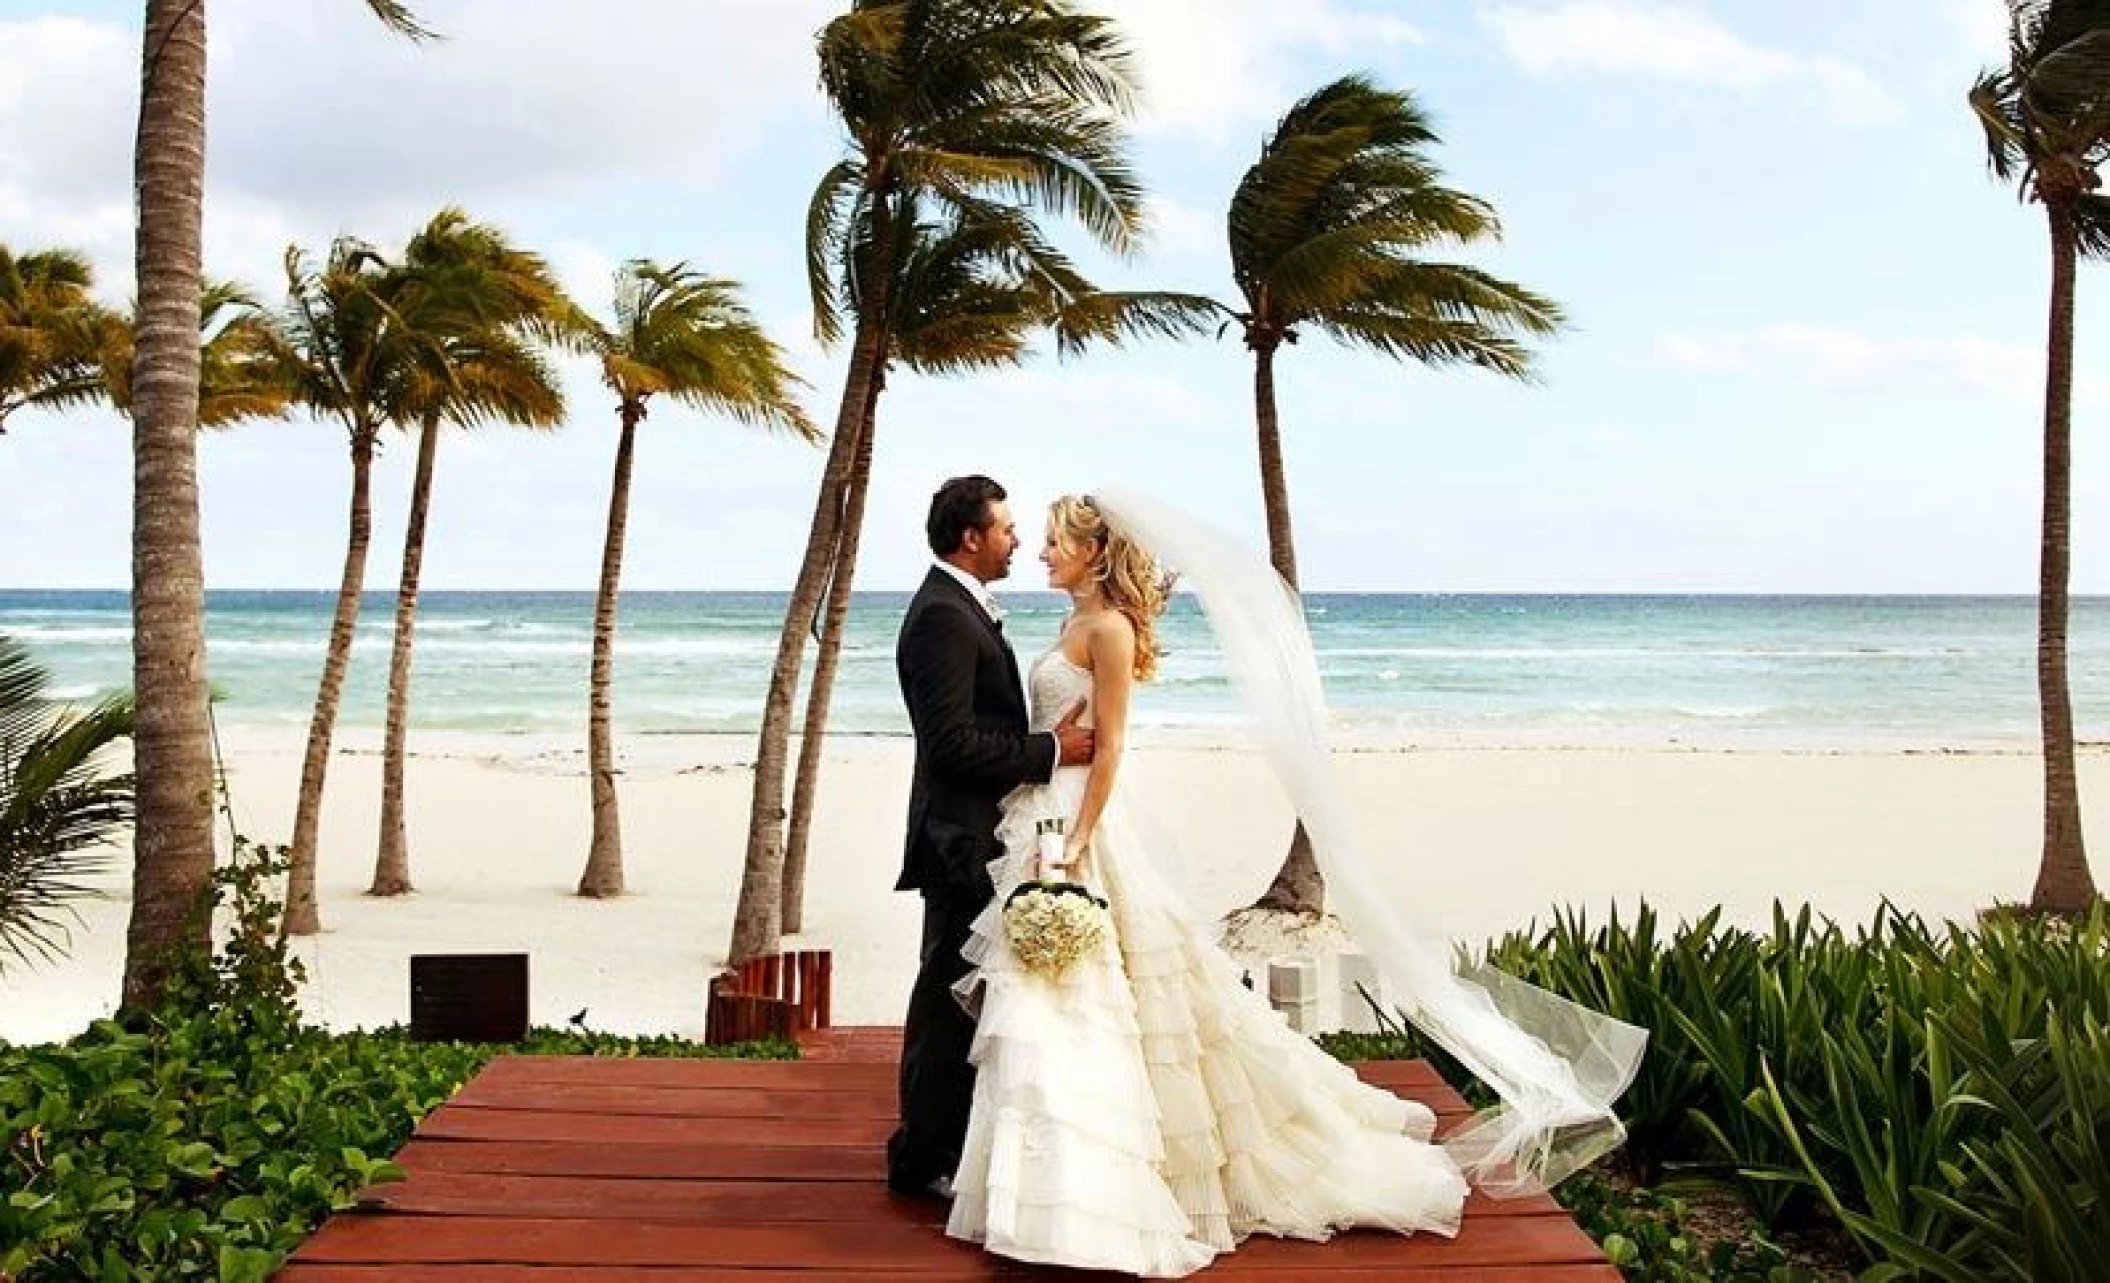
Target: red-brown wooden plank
x,y
692,1102
850,1246
994,1268
444,1193
1411,1075
697,1073
449,1123
548,1168
674,1162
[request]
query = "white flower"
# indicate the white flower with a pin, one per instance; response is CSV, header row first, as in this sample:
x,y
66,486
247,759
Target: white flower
x,y
1052,925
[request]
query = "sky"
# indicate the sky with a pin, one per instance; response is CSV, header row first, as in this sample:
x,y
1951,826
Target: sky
x,y
1806,350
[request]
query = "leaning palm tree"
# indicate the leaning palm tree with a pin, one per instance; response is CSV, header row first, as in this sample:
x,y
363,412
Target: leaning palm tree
x,y
1326,231
59,803
686,336
489,305
948,102
239,378
969,291
51,332
173,850
351,356
2046,116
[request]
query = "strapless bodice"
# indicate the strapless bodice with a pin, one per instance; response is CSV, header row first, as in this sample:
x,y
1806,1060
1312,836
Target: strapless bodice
x,y
1053,685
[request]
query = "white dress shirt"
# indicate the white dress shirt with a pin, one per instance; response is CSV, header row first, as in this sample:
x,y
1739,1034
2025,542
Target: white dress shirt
x,y
975,588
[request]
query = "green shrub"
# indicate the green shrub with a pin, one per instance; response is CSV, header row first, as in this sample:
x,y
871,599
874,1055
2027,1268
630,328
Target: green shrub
x,y
1941,1097
209,1139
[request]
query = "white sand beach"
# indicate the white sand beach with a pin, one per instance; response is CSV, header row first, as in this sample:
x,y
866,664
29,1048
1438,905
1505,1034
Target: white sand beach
x,y
1473,840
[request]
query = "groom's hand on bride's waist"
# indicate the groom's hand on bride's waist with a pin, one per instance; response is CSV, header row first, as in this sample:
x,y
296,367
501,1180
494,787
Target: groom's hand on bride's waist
x,y
1073,743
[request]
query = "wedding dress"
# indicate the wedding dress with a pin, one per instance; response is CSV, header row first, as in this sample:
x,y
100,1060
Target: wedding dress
x,y
1147,1111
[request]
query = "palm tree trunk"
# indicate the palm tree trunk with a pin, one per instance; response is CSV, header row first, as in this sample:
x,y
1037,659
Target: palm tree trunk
x,y
2063,881
1297,887
392,861
603,875
302,917
758,916
1274,482
813,737
172,742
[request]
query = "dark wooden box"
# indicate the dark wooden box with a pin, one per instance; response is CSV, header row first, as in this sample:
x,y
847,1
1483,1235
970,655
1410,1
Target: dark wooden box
x,y
468,997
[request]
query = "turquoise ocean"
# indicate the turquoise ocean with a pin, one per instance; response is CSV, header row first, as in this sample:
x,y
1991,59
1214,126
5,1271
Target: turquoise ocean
x,y
1766,671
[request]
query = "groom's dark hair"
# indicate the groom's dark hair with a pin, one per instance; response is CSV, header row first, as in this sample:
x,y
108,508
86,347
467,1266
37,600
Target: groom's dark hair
x,y
961,505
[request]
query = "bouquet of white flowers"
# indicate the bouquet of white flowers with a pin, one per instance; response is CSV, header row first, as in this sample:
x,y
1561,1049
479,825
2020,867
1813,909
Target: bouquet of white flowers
x,y
1053,924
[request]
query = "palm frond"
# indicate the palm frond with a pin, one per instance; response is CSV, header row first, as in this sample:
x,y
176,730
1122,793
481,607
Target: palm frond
x,y
240,375
2091,217
963,102
1345,147
470,314
1328,226
2046,114
1429,339
687,335
58,806
1993,101
52,332
827,217
1118,316
398,17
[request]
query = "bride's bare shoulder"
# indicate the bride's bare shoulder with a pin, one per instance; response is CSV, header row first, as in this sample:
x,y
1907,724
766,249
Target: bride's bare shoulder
x,y
1110,633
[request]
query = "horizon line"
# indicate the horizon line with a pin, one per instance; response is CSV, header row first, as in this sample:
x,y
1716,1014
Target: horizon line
x,y
2023,595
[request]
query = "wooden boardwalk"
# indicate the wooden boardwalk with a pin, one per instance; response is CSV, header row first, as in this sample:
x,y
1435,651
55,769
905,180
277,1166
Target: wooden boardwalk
x,y
720,1171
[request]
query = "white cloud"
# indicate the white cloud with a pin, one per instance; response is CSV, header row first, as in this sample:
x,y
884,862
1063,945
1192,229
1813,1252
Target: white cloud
x,y
322,122
1678,42
1212,68
534,97
1982,25
1179,228
1842,358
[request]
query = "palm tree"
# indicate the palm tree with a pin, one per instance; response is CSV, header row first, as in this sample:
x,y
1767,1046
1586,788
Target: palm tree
x,y
1325,230
951,102
238,375
487,303
681,334
57,806
2047,127
50,331
968,292
351,356
172,748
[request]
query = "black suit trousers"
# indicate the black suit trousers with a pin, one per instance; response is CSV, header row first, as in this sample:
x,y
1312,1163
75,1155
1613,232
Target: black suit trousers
x,y
937,1083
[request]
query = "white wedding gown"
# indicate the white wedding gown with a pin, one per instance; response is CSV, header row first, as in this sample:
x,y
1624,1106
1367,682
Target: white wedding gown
x,y
1148,1111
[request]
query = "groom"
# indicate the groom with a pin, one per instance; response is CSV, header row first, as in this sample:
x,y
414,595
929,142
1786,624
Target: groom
x,y
960,681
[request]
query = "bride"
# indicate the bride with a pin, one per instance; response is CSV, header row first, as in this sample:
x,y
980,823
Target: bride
x,y
1146,1111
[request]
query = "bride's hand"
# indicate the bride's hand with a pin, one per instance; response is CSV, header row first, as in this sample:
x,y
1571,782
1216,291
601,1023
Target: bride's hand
x,y
1077,856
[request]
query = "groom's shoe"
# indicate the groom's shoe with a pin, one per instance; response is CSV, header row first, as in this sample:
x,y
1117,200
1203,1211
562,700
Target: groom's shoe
x,y
938,1187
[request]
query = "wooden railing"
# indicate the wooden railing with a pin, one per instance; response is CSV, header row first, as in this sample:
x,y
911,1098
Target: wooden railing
x,y
778,995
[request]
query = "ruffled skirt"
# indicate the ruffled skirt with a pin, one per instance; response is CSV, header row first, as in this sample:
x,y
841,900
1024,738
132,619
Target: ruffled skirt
x,y
1147,1111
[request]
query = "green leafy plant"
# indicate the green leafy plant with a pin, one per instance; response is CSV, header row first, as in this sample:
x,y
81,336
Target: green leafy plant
x,y
210,1138
1935,1100
60,806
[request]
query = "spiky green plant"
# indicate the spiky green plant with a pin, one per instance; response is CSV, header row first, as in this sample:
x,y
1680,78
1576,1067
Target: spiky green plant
x,y
61,806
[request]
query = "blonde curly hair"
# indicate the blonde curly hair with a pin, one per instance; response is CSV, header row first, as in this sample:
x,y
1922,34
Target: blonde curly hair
x,y
1129,577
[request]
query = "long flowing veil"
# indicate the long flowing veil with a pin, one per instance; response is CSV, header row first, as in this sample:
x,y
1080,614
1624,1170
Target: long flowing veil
x,y
1556,1066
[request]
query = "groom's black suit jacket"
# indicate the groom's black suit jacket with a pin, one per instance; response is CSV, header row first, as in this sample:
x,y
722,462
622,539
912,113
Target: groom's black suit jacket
x,y
960,681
